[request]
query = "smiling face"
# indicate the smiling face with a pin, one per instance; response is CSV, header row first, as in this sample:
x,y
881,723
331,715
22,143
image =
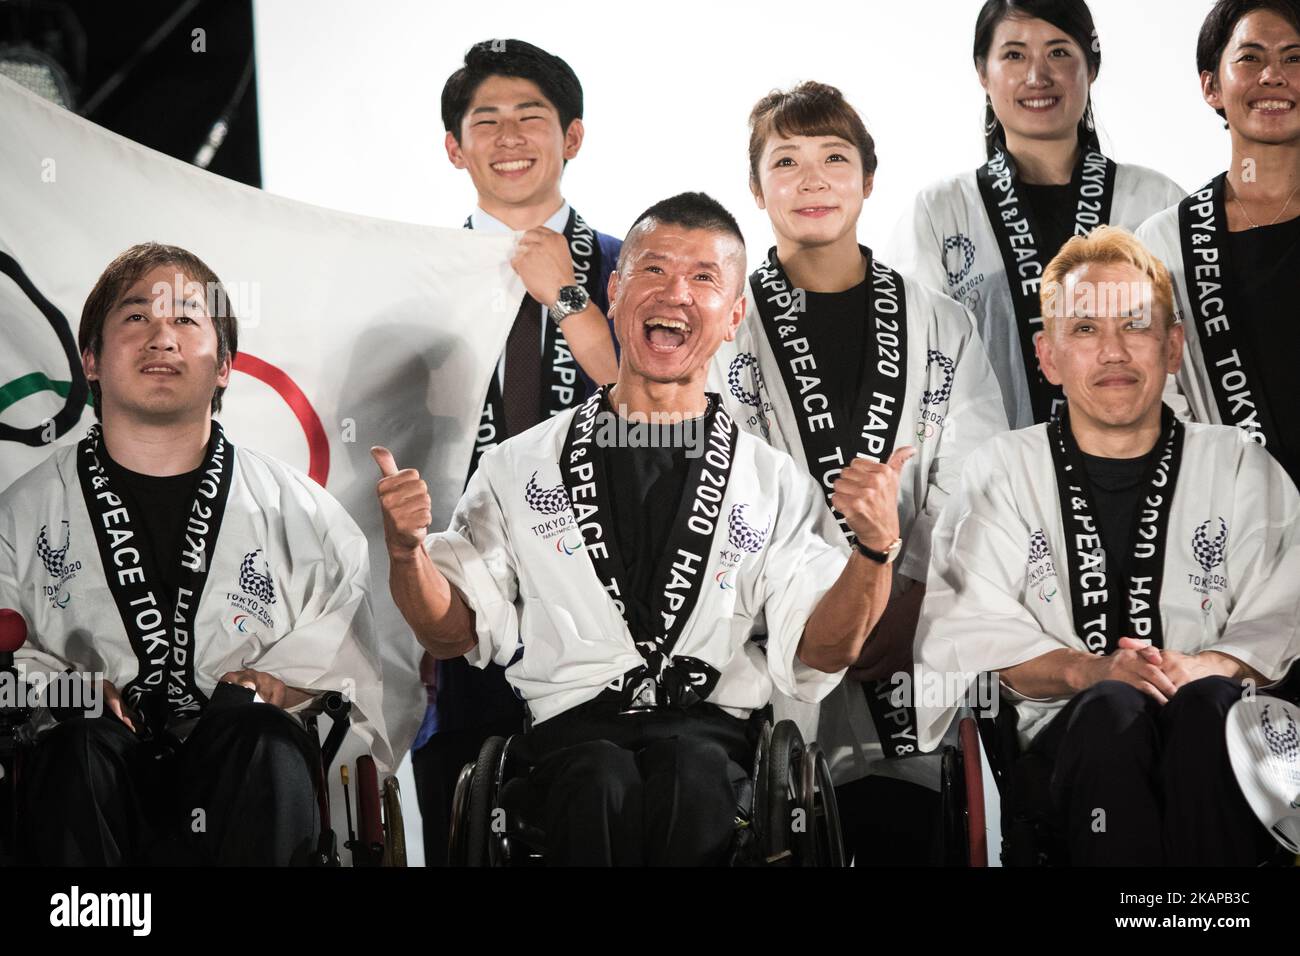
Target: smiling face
x,y
677,296
158,357
1258,80
512,144
1037,78
1110,348
812,187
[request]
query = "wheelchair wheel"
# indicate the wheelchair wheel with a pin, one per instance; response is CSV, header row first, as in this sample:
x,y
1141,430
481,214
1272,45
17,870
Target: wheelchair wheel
x,y
952,801
977,849
459,816
394,828
483,785
370,826
823,812
784,752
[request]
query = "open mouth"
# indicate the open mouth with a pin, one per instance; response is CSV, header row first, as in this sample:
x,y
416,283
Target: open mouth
x,y
160,370
666,335
513,167
815,212
1040,104
1272,106
1116,381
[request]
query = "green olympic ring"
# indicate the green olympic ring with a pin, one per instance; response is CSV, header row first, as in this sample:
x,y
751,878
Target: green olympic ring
x,y
77,389
31,384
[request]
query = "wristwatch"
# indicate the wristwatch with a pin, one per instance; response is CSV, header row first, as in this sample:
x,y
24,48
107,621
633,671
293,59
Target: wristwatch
x,y
573,298
880,557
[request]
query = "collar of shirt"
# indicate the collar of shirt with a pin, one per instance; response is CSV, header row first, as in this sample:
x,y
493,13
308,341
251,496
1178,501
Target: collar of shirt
x,y
486,222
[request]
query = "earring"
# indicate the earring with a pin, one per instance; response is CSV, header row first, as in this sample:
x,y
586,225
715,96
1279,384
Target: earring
x,y
1088,119
992,123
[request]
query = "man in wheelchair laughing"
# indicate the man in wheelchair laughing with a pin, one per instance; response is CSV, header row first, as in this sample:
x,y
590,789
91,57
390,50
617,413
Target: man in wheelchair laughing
x,y
626,560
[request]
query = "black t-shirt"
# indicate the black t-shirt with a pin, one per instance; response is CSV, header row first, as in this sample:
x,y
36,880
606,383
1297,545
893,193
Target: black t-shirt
x,y
1116,485
1054,215
645,489
1267,266
161,505
836,326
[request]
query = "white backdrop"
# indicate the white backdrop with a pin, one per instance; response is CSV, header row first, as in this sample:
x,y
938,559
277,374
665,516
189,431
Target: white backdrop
x,y
349,96
349,102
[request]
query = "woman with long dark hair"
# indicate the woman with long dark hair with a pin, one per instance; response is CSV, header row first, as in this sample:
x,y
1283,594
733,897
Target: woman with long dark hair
x,y
985,236
1238,238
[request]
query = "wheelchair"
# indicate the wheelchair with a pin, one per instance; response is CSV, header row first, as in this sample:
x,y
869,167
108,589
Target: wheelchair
x,y
790,782
377,840
1019,787
972,810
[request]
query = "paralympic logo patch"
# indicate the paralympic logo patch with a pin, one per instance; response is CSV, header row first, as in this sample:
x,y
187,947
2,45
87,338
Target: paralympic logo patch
x,y
56,562
255,583
742,364
1041,568
1210,552
958,258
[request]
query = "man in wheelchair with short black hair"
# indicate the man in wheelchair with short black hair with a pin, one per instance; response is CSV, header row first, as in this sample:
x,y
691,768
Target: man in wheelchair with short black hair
x,y
624,581
205,593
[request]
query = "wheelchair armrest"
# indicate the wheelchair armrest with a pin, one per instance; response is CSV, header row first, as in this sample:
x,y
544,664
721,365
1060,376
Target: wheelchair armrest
x,y
338,709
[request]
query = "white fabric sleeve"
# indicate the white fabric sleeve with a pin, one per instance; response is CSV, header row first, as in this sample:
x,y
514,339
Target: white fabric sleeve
x,y
1263,629
31,657
475,555
1149,235
974,415
805,555
972,620
332,643
916,246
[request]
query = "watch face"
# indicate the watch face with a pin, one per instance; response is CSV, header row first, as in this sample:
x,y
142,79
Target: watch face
x,y
573,298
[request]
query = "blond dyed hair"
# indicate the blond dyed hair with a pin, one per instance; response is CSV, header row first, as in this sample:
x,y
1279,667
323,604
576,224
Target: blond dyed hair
x,y
1105,245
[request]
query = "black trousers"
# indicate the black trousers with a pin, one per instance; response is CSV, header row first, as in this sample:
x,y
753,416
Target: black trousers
x,y
240,791
1135,783
656,789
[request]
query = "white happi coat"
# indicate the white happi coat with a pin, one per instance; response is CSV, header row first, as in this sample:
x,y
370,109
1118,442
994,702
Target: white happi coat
x,y
998,597
1160,235
541,609
946,241
951,406
315,633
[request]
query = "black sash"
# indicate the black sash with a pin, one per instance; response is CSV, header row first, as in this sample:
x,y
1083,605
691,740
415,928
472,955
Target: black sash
x,y
1215,306
561,388
830,445
1093,186
159,624
664,679
1104,613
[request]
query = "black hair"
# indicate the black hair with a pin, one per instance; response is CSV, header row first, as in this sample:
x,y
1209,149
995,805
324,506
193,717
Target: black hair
x,y
690,211
553,77
1217,29
1071,17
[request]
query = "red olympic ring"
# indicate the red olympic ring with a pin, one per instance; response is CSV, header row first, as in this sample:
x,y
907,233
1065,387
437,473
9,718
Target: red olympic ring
x,y
318,445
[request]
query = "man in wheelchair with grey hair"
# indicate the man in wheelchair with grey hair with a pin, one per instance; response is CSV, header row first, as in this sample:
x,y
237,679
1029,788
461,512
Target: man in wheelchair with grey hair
x,y
647,572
